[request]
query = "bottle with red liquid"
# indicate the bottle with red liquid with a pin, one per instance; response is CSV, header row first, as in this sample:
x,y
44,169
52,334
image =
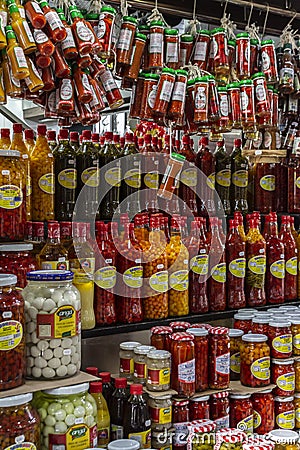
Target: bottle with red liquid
x,y
291,255
188,178
275,272
206,162
236,267
217,266
256,266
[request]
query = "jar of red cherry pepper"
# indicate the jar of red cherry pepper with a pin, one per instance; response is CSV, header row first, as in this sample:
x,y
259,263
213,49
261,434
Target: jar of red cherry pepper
x,y
280,339
241,412
263,411
269,63
201,357
164,92
283,375
243,56
262,106
180,417
178,327
219,358
201,49
199,407
243,322
160,337
284,413
183,363
260,325
234,104
235,357
219,409
17,259
255,360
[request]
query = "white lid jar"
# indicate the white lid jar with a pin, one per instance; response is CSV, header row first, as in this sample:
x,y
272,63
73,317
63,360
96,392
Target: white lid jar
x,y
124,444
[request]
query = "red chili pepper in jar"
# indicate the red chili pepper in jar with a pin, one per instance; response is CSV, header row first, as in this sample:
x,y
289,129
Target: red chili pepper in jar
x,y
236,267
220,53
291,256
201,49
105,30
263,412
183,363
219,409
243,56
280,339
219,358
217,267
126,39
283,376
234,104
269,62
262,105
201,357
275,272
247,105
241,412
284,413
164,92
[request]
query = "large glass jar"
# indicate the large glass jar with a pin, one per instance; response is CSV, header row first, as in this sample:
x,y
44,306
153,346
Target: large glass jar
x,y
285,439
68,414
284,413
235,357
219,409
263,411
13,196
183,363
160,409
255,360
199,408
159,370
179,326
201,357
241,412
140,363
260,325
17,259
160,337
280,339
283,376
219,358
12,334
126,355
19,423
53,327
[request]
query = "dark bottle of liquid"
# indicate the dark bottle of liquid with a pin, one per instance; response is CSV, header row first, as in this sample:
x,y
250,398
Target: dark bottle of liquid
x,y
131,169
112,176
116,408
223,177
137,423
107,387
239,178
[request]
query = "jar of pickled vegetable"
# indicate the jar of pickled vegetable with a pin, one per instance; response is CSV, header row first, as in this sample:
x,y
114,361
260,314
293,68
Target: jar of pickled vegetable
x,y
241,412
297,374
235,357
262,106
243,322
219,409
12,197
232,439
263,412
260,325
201,357
171,48
126,355
17,259
159,370
12,334
164,92
243,56
234,104
185,49
147,97
199,407
19,423
295,329
220,53
280,339
140,363
201,100
156,45
180,416
219,358
183,363
160,409
126,38
297,410
284,439
283,376
179,326
255,360
284,413
201,49
160,337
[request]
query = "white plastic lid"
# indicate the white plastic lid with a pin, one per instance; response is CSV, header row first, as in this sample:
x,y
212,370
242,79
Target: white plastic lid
x,y
15,400
280,324
130,345
262,314
295,321
288,307
254,337
272,310
284,399
123,444
10,153
261,319
235,332
16,247
68,390
283,362
239,396
197,331
203,398
143,349
243,316
283,436
159,354
7,279
246,310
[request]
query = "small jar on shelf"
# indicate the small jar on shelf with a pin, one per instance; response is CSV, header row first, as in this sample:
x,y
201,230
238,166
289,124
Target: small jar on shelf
x,y
219,409
260,325
255,360
263,411
241,412
201,357
126,355
219,358
280,339
199,408
140,363
183,364
283,376
235,336
243,322
297,410
284,439
160,409
159,370
160,337
284,413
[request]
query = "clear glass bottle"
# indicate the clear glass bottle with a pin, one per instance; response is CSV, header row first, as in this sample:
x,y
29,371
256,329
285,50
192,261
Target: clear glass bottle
x,y
103,417
53,255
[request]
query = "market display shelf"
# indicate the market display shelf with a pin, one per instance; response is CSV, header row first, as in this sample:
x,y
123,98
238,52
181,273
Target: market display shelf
x,y
265,152
107,330
34,386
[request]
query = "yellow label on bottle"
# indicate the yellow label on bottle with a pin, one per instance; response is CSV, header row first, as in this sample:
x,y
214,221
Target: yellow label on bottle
x,y
218,273
91,177
65,322
11,333
286,420
235,362
297,414
189,177
77,437
159,281
106,277
237,267
23,446
291,266
46,183
28,186
55,265
113,176
296,341
256,419
151,180
11,196
267,182
211,180
143,438
199,264
260,368
179,280
223,177
277,269
283,344
257,264
68,178
297,182
286,382
133,277
133,178
240,178
246,424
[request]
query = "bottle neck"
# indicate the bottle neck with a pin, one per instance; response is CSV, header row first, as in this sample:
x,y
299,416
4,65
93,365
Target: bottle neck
x,y
273,229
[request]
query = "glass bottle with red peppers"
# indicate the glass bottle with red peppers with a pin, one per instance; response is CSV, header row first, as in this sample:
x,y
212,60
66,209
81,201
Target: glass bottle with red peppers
x,y
219,358
201,358
243,56
263,412
198,252
236,267
183,363
129,305
160,337
256,266
217,270
206,162
241,412
199,408
223,178
220,50
219,409
291,255
180,417
201,50
188,178
280,339
275,271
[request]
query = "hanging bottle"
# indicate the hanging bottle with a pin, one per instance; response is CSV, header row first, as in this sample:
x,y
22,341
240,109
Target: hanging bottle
x,y
236,267
256,266
22,30
217,269
68,45
54,28
16,57
82,34
35,14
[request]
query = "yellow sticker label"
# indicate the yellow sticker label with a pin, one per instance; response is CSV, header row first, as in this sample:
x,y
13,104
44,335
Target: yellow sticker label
x,y
237,267
260,368
113,176
297,182
133,277
256,419
11,334
68,178
46,183
106,277
246,424
23,446
11,196
165,415
77,437
91,177
296,341
257,264
159,281
297,414
199,264
291,266
283,344
218,273
286,382
240,178
133,178
143,438
55,265
28,186
65,322
211,180
267,182
277,269
189,177
179,280
151,180
223,177
235,362
286,420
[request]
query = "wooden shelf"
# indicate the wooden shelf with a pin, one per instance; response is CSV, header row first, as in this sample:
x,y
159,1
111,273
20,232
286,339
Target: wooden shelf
x,y
278,153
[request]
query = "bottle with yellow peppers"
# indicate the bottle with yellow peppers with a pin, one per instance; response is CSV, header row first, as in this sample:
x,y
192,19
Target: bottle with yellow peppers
x,y
178,266
42,176
256,266
155,272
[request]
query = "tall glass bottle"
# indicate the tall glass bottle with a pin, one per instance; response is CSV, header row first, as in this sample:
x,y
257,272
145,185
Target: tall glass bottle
x,y
223,178
131,169
53,255
236,267
291,257
256,266
103,418
188,178
5,138
116,408
74,141
217,267
150,175
137,423
206,162
275,272
294,177
239,179
29,140
51,136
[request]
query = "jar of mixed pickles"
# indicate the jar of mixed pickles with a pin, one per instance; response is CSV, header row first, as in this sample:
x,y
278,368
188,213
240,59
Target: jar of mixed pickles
x,y
241,412
219,409
283,376
160,337
183,364
127,358
284,413
243,322
140,363
219,358
263,412
235,336
199,407
255,360
159,370
284,439
160,409
280,339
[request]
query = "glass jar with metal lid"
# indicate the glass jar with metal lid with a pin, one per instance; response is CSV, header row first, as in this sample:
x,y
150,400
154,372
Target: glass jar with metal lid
x,y
255,360
284,413
285,439
140,363
235,336
16,258
126,355
283,376
19,423
160,408
159,370
243,321
280,339
295,329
